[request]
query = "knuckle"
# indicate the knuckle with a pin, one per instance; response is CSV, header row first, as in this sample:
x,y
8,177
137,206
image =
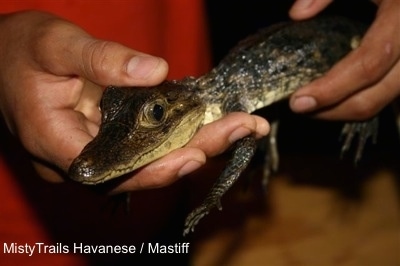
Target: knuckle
x,y
371,65
363,108
369,69
97,58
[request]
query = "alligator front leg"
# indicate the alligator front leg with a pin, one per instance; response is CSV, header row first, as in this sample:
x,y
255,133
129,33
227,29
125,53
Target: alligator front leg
x,y
242,154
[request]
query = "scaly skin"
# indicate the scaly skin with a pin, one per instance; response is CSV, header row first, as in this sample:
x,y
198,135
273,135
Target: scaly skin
x,y
140,124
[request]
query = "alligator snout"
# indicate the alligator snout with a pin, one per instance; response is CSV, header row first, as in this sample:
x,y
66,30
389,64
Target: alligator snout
x,y
82,170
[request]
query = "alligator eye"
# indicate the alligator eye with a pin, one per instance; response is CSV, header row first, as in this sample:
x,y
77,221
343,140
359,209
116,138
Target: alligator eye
x,y
154,113
158,112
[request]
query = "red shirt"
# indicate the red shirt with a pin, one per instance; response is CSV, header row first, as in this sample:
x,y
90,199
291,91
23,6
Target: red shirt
x,y
64,216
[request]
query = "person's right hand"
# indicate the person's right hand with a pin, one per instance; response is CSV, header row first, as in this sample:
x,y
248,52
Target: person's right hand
x,y
52,75
366,80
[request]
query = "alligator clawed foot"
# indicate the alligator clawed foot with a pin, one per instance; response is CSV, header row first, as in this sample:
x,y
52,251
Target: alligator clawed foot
x,y
365,130
195,216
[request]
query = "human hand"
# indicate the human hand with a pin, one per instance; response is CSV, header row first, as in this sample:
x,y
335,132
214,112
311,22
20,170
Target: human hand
x,y
52,75
363,82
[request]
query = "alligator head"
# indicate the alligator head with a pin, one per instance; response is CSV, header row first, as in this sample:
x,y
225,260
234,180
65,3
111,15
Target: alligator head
x,y
138,126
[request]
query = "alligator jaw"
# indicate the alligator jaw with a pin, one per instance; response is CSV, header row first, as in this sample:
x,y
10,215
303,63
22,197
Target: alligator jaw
x,y
84,168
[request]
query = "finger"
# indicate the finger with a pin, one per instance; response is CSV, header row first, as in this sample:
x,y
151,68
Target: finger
x,y
89,101
303,9
165,170
46,123
47,173
107,63
72,133
375,56
368,102
102,62
216,137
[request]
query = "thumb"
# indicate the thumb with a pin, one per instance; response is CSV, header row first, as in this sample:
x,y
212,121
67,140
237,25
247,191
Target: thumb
x,y
303,9
105,63
74,52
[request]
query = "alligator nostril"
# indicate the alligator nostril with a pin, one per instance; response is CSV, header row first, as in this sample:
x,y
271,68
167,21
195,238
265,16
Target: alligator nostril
x,y
81,169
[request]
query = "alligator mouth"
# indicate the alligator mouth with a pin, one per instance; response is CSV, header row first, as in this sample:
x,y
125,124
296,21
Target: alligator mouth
x,y
86,169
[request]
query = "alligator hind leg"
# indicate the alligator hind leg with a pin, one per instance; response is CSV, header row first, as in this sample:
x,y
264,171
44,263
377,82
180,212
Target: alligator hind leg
x,y
242,154
271,159
365,130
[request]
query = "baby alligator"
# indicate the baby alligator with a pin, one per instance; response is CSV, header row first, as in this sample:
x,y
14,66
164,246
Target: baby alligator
x,y
140,125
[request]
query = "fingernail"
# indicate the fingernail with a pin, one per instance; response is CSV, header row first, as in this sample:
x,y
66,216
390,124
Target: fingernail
x,y
304,104
263,128
238,134
189,167
303,4
140,67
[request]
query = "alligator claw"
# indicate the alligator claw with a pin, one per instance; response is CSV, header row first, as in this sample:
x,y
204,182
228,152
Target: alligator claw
x,y
194,217
365,130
